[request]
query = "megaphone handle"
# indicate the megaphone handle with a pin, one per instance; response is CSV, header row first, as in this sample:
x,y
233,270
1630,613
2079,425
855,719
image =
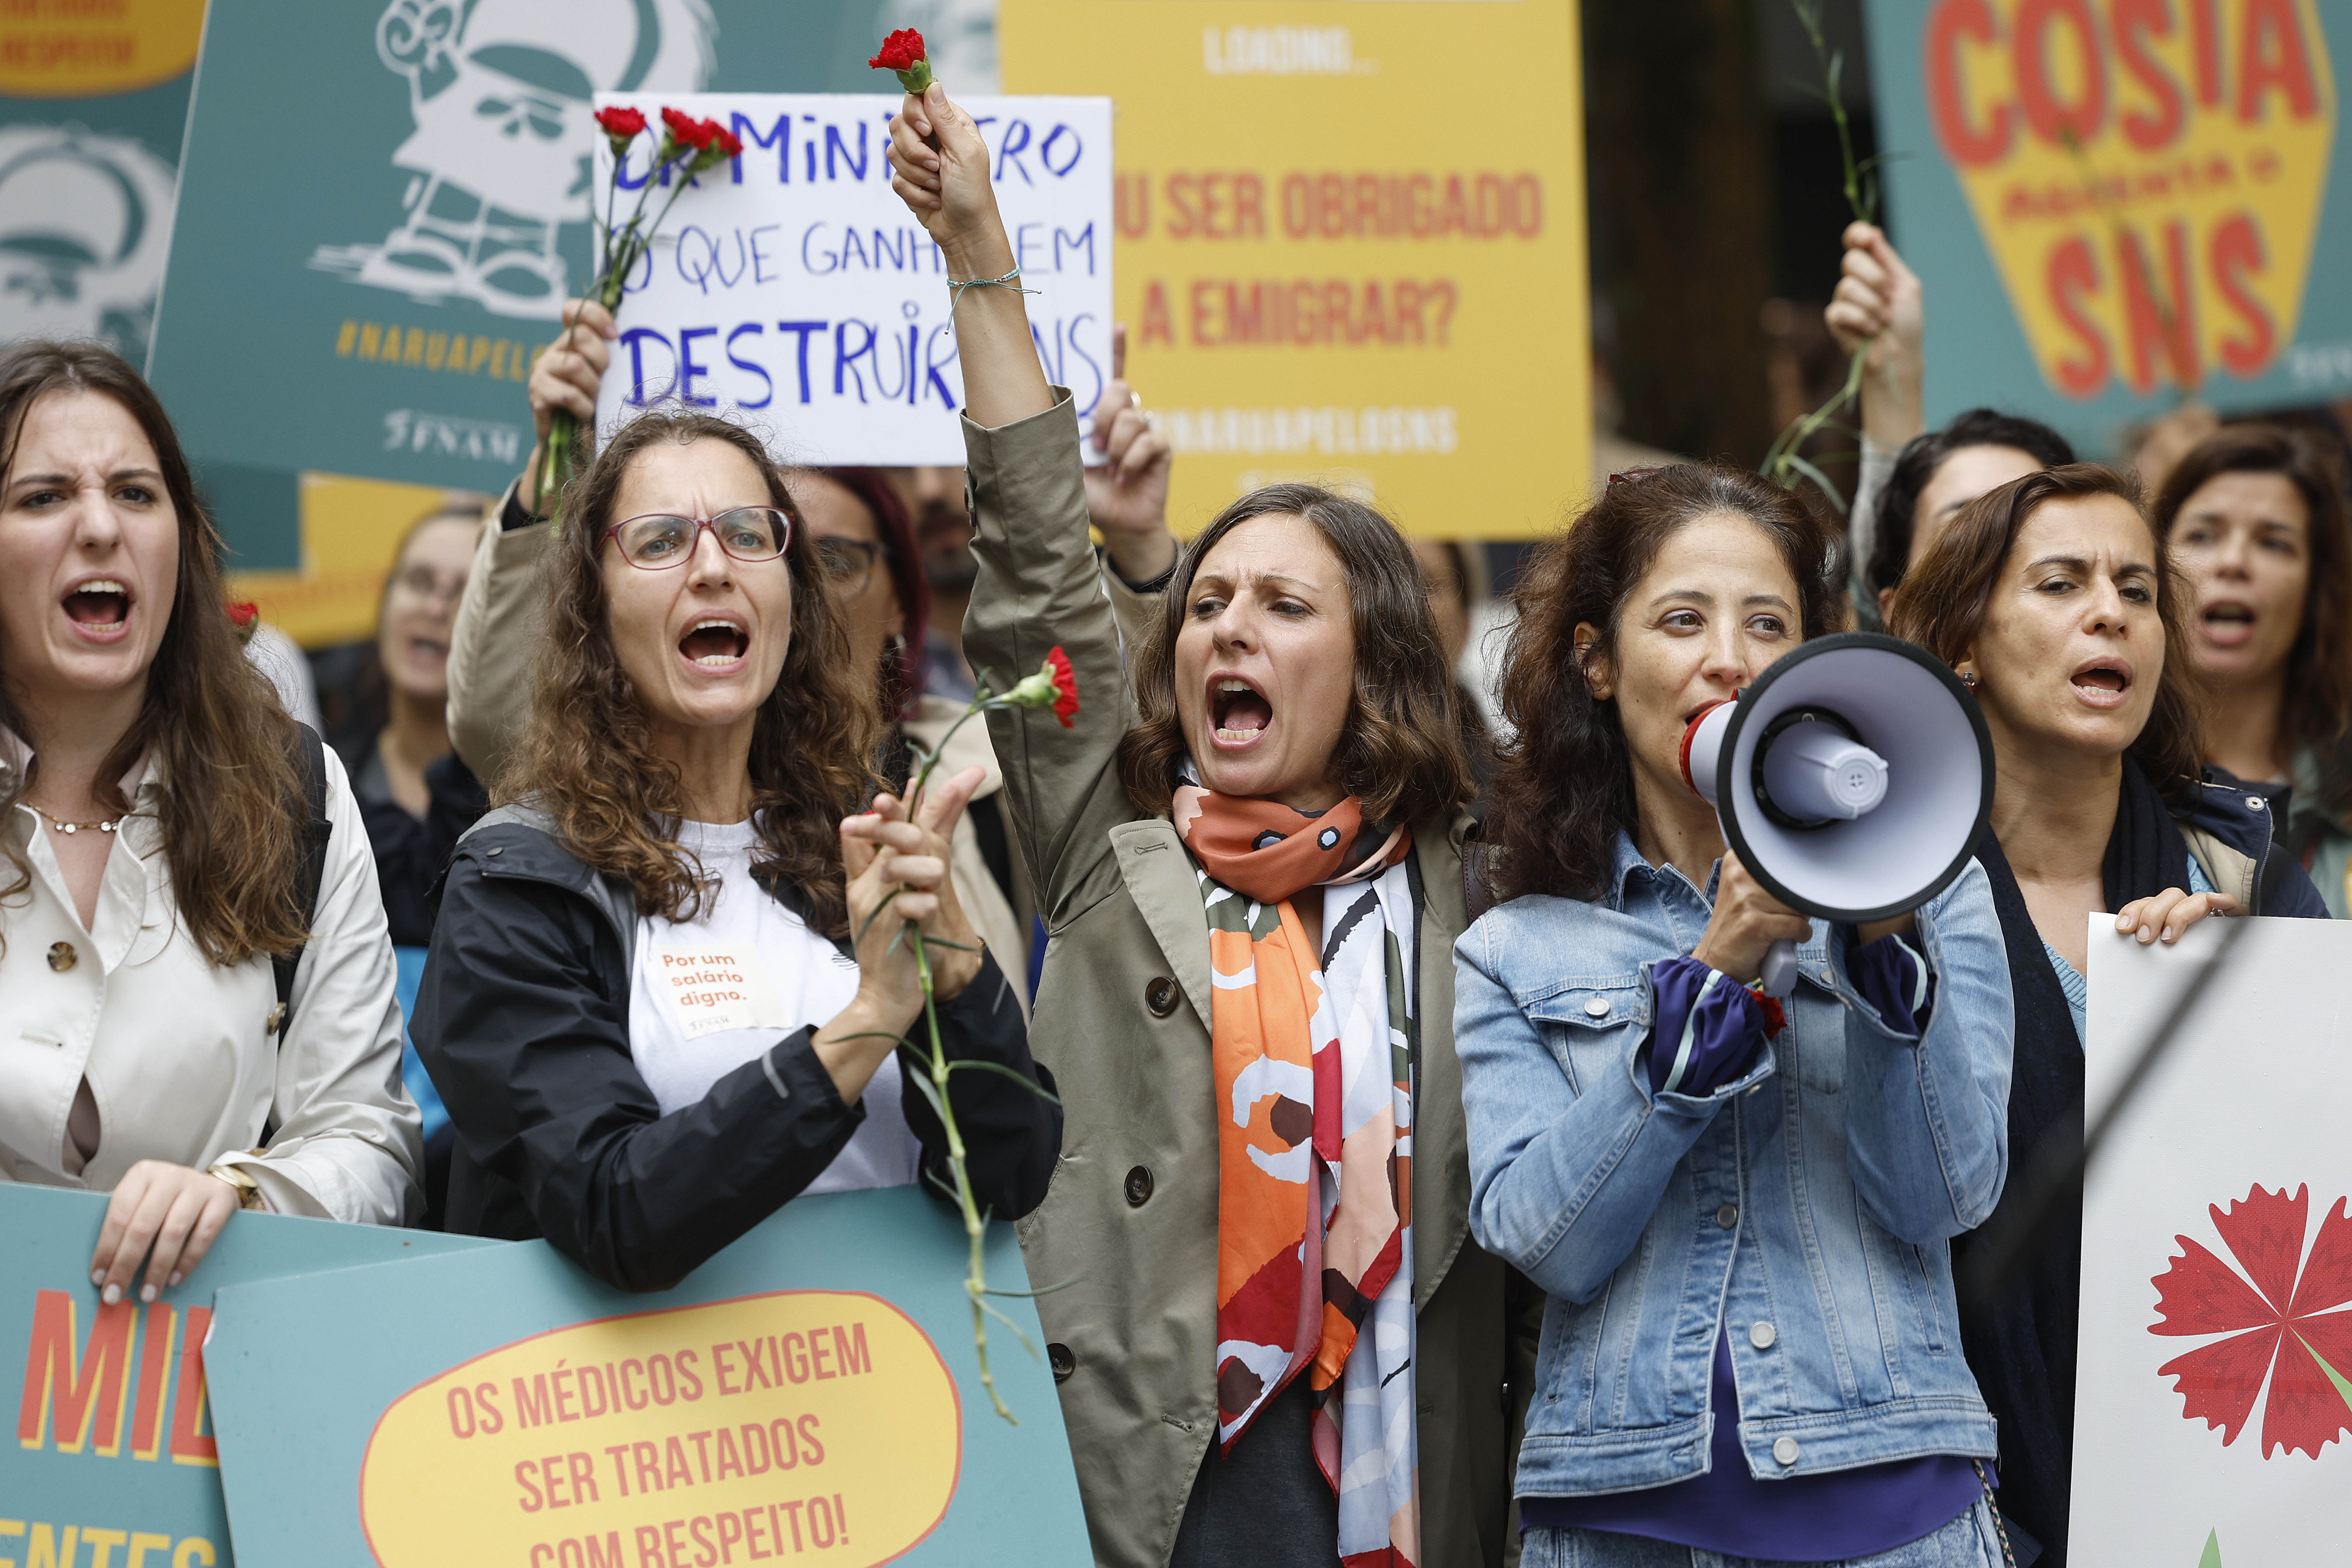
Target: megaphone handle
x,y
1780,974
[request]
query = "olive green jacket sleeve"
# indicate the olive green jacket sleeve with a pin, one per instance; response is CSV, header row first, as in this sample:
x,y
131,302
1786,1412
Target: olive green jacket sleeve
x,y
1041,586
491,649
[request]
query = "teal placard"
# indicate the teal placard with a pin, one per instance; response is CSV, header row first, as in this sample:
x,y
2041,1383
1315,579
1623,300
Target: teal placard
x,y
114,1459
382,204
2140,73
338,1353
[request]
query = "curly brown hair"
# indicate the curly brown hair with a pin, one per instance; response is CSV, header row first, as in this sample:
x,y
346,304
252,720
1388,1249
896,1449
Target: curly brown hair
x,y
587,756
2317,711
1565,786
231,803
1399,752
1945,598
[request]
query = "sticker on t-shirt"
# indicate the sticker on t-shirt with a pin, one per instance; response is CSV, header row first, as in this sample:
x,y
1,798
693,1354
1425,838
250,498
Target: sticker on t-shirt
x,y
713,988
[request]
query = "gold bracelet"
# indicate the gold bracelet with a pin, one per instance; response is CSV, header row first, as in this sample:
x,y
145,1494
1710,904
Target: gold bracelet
x,y
248,1191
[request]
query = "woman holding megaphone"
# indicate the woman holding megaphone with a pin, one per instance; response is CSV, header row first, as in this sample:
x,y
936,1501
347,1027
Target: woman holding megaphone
x,y
1741,1207
2057,603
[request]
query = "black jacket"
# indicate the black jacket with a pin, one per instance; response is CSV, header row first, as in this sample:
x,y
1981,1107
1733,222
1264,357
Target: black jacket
x,y
522,1019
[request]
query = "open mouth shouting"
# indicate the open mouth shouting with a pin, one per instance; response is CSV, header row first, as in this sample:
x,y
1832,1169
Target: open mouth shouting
x,y
1239,713
99,607
2227,622
2102,682
715,643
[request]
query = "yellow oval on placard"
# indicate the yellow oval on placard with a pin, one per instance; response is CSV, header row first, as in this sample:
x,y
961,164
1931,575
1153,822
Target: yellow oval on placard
x,y
817,1424
81,49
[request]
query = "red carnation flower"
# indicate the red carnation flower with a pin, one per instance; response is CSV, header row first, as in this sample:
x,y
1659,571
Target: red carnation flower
x,y
1065,679
686,130
723,143
899,51
2277,1325
245,614
622,125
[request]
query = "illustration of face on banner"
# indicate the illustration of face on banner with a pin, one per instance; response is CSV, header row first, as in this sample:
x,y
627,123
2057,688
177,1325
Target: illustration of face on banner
x,y
2149,185
498,162
792,287
84,225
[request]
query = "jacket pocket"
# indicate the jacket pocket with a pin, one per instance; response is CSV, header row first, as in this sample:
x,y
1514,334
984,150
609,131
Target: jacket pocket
x,y
1591,1026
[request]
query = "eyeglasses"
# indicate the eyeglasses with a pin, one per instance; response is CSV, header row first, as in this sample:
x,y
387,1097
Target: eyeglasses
x,y
848,563
423,583
660,541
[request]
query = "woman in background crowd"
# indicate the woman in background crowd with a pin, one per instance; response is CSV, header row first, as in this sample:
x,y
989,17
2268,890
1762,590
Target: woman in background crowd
x,y
389,701
2255,518
1938,474
1717,1189
2053,599
1274,806
681,802
199,983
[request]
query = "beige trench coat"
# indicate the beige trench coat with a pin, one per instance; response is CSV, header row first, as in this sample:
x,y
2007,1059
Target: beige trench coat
x,y
1121,1019
493,660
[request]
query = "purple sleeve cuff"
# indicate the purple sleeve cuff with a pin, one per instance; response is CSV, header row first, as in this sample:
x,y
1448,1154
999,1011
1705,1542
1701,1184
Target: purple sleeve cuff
x,y
1891,976
1706,1029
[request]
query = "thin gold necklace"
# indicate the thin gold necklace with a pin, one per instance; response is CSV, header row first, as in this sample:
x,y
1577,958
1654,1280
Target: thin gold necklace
x,y
72,827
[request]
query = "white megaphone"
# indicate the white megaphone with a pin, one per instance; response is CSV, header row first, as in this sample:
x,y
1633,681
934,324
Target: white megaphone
x,y
1852,779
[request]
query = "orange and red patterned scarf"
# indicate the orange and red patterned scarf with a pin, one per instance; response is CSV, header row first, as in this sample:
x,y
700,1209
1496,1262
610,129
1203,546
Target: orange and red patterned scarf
x,y
1313,1065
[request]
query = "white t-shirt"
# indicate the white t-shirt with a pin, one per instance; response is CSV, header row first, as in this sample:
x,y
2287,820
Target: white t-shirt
x,y
710,994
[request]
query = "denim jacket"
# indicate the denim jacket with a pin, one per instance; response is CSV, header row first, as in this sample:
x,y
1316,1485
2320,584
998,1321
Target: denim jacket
x,y
1806,1206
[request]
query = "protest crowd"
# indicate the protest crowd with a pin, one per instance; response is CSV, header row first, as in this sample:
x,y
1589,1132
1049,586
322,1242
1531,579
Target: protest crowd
x,y
1541,1232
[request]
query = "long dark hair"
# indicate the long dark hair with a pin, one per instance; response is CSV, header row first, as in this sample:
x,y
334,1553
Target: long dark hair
x,y
1915,469
1565,788
588,757
1400,750
2317,711
1945,599
222,743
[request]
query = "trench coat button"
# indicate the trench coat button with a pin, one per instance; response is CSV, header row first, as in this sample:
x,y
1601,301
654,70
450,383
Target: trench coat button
x,y
1139,1187
62,956
1785,1450
1059,1358
1161,997
1727,1216
1761,1335
2253,803
1596,1008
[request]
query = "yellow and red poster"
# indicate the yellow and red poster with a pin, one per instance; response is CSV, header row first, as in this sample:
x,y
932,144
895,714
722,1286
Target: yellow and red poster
x,y
2116,203
1334,267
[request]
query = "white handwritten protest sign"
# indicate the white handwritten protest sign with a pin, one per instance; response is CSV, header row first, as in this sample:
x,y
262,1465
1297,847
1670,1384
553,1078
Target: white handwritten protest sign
x,y
792,285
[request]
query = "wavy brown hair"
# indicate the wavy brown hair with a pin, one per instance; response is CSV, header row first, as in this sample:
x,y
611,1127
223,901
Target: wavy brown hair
x,y
2317,711
1399,752
232,803
1946,596
1565,786
587,756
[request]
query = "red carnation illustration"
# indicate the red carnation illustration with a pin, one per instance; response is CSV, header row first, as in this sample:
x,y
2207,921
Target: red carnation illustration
x,y
2279,1324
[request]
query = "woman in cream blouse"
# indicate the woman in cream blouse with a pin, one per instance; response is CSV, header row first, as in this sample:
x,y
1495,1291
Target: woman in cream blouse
x,y
152,830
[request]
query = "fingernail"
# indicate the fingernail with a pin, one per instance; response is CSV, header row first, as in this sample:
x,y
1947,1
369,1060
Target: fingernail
x,y
110,1295
174,1280
2123,922
98,1276
2148,933
146,1292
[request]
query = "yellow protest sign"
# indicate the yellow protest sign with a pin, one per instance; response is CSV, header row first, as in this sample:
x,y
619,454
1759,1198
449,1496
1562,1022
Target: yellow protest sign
x,y
81,49
1331,264
793,1422
351,530
2147,176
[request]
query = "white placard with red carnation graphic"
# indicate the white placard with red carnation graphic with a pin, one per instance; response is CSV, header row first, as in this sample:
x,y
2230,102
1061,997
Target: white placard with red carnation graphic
x,y
2213,1415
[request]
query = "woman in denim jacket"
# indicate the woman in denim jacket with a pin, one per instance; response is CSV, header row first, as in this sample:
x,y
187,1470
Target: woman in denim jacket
x,y
1740,1209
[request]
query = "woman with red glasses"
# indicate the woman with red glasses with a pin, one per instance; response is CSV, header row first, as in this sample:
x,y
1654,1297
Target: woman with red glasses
x,y
665,982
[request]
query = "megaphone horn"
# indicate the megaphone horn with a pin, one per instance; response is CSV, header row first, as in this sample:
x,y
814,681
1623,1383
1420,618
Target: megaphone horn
x,y
1852,779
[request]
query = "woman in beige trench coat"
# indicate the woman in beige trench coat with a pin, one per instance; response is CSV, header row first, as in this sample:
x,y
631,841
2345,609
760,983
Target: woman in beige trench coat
x,y
1131,1220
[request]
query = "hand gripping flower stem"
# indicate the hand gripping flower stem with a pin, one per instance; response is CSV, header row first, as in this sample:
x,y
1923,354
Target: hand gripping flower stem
x,y
1054,686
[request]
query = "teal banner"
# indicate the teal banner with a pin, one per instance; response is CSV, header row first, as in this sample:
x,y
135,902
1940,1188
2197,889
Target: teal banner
x,y
116,1459
384,204
2116,205
810,1395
